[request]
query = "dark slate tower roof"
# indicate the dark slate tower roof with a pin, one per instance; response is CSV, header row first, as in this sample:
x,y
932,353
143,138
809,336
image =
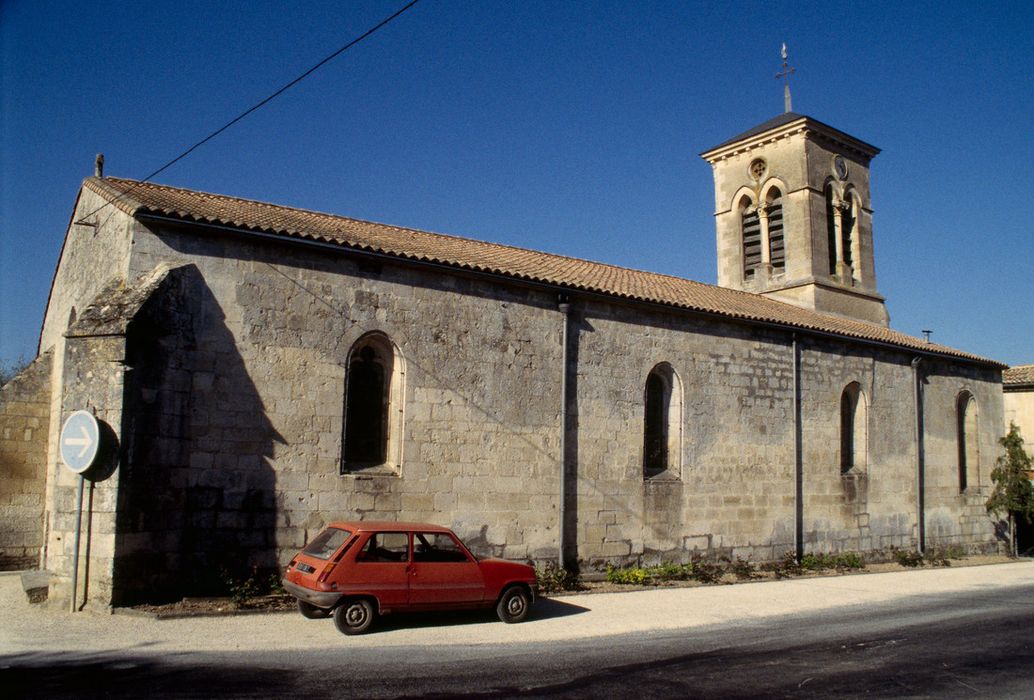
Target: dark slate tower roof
x,y
782,120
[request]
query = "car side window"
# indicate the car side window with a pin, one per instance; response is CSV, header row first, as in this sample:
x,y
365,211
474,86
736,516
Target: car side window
x,y
385,547
437,547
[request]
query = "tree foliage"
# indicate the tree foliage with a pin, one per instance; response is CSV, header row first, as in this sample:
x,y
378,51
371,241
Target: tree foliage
x,y
1013,493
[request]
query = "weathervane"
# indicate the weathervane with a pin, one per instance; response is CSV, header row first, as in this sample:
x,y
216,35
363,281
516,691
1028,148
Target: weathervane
x,y
785,75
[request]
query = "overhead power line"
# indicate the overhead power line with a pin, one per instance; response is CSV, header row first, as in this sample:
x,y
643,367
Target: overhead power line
x,y
258,105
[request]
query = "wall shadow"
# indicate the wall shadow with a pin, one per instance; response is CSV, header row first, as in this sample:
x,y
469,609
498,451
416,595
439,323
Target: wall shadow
x,y
197,507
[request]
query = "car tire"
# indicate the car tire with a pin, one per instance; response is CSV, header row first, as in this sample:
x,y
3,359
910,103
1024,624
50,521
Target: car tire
x,y
354,616
513,605
311,612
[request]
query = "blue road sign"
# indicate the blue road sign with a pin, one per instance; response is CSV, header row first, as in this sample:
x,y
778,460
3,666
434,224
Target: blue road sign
x,y
80,441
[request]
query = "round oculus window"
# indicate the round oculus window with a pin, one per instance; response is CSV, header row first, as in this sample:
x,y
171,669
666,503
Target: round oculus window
x,y
758,168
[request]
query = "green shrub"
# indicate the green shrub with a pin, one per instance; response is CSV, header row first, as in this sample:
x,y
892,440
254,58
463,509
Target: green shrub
x,y
257,582
840,561
848,560
707,572
907,558
742,569
942,556
785,567
552,578
670,571
633,575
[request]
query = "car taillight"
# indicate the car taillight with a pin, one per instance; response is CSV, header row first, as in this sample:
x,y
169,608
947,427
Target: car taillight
x,y
326,572
288,569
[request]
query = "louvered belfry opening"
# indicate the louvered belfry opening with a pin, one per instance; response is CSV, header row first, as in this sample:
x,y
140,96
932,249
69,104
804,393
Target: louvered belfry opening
x,y
751,241
831,230
777,250
847,225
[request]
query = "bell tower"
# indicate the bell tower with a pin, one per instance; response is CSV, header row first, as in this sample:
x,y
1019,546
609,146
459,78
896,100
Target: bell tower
x,y
794,216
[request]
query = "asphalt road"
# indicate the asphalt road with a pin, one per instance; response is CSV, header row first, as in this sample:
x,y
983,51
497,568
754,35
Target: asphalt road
x,y
929,634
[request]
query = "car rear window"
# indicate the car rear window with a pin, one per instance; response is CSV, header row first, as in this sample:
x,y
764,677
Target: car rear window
x,y
326,543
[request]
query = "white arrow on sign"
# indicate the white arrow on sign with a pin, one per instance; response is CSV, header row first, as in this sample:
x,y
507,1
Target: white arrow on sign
x,y
85,441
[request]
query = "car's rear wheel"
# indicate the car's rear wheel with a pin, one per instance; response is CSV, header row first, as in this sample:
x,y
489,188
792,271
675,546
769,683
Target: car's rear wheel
x,y
354,616
513,605
311,612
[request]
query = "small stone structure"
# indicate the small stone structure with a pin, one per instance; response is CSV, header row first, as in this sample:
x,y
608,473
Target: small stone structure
x,y
267,370
1018,386
24,431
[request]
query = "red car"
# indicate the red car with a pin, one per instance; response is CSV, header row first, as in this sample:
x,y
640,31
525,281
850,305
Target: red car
x,y
358,570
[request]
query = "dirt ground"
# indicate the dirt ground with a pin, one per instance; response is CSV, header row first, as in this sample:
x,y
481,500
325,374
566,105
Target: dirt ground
x,y
204,607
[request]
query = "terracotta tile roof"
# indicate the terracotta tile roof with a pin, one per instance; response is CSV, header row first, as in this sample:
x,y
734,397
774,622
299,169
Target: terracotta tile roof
x,y
1018,375
142,199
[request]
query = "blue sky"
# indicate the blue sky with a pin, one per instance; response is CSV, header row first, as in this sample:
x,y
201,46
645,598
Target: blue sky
x,y
573,128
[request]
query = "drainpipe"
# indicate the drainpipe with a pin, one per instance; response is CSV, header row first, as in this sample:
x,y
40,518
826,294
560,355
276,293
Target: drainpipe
x,y
920,458
565,308
798,459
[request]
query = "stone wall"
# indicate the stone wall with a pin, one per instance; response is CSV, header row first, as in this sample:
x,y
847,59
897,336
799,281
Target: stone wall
x,y
481,424
24,425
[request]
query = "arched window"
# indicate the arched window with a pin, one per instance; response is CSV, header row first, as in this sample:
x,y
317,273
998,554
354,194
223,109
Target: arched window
x,y
373,404
966,431
751,226
662,423
776,249
853,429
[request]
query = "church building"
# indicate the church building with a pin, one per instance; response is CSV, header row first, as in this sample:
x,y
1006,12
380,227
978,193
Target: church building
x,y
263,370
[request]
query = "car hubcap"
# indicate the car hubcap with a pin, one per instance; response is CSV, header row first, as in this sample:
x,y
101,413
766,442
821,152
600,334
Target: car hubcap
x,y
356,615
515,605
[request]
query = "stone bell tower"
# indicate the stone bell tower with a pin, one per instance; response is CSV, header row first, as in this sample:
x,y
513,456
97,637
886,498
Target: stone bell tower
x,y
794,216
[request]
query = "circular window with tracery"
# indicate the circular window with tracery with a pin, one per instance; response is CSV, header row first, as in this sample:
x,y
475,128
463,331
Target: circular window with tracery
x,y
758,168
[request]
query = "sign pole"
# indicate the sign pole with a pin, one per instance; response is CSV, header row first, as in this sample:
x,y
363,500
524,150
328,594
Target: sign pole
x,y
78,533
79,444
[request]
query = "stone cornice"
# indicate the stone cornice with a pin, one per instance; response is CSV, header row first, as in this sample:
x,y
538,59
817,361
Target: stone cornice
x,y
811,128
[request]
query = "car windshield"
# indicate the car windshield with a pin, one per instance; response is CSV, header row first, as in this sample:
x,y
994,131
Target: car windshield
x,y
326,543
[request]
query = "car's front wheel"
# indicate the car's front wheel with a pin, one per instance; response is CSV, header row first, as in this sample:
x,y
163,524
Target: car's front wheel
x,y
354,616
513,605
311,612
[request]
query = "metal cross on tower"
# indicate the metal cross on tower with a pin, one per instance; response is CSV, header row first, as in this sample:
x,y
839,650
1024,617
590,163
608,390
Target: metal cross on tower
x,y
785,75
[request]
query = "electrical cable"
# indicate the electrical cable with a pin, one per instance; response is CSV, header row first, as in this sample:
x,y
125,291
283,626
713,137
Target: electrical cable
x,y
255,107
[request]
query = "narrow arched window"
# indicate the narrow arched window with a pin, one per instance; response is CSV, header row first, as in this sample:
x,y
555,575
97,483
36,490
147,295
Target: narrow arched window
x,y
655,448
751,226
373,398
853,424
966,426
662,422
776,247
